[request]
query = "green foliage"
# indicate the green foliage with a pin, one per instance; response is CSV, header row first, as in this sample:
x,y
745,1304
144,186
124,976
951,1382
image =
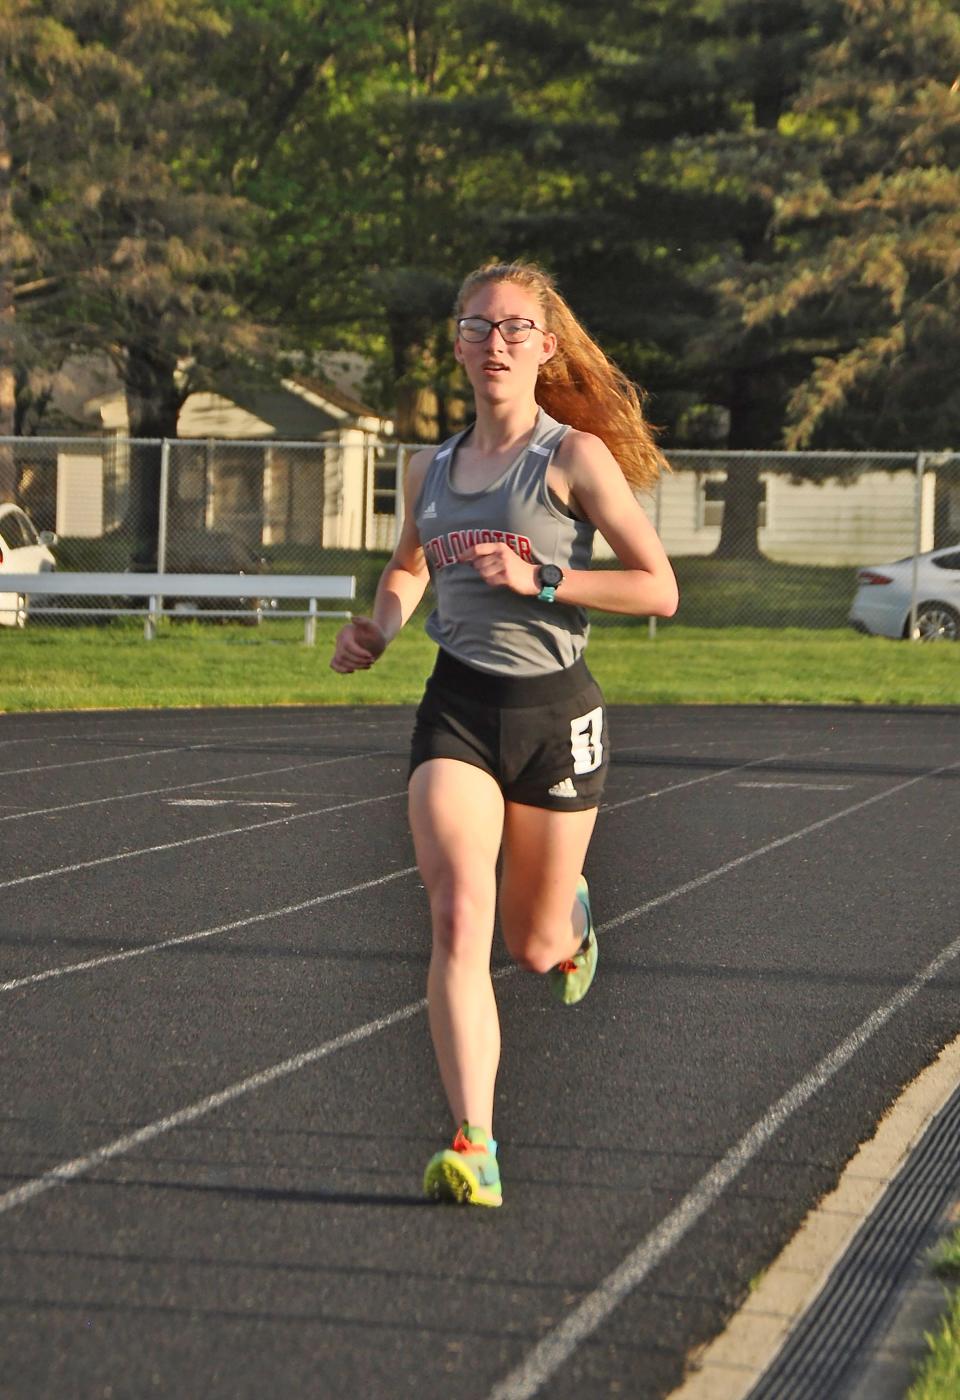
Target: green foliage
x,y
131,240
753,205
867,221
939,1377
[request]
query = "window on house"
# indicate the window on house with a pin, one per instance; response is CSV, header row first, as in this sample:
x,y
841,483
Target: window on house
x,y
384,484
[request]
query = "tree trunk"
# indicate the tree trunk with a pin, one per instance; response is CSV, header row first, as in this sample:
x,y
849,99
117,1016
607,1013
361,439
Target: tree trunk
x,y
417,408
741,504
754,424
153,406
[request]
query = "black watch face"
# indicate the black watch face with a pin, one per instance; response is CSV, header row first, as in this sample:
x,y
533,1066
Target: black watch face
x,y
550,576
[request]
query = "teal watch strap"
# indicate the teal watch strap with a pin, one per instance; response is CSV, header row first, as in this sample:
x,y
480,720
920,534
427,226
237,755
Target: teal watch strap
x,y
549,578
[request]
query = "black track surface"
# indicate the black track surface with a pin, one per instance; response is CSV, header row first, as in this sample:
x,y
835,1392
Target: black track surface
x,y
277,1245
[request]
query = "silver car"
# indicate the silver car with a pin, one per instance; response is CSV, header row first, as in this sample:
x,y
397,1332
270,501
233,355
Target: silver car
x,y
885,591
22,551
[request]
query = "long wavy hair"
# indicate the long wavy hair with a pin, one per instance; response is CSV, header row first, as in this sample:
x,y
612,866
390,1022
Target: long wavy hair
x,y
579,384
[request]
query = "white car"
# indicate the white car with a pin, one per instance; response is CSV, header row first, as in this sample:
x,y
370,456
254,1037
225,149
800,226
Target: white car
x,y
22,551
884,593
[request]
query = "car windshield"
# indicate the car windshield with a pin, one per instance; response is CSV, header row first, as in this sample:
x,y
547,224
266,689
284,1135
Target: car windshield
x,y
16,530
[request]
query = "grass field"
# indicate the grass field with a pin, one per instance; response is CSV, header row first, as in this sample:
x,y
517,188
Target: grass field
x,y
714,592
190,663
939,1377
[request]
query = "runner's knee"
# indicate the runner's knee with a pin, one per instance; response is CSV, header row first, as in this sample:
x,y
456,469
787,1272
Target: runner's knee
x,y
462,923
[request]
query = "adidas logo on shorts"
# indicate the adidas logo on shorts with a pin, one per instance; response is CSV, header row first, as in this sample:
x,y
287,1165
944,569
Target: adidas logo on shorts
x,y
564,788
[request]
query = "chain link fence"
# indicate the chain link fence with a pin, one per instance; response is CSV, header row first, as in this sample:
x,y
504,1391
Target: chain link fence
x,y
757,539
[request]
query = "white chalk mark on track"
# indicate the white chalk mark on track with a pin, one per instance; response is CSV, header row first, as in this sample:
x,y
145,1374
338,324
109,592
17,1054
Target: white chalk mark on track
x,y
690,885
185,787
193,840
157,947
689,782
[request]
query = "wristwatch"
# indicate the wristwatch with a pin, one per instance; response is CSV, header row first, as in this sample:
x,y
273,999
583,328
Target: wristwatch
x,y
549,578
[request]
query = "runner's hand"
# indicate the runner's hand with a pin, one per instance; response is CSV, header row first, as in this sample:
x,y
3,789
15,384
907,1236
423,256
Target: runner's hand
x,y
358,646
500,567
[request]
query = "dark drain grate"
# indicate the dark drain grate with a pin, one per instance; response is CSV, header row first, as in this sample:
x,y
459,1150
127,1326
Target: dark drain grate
x,y
832,1336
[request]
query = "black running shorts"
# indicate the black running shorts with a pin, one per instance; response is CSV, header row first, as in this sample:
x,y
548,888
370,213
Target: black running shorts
x,y
542,738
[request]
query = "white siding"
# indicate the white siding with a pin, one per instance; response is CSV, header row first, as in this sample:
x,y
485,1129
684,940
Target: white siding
x,y
79,495
870,520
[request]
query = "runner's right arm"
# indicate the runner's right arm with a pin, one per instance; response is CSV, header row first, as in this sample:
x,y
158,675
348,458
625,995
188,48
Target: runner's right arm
x,y
400,589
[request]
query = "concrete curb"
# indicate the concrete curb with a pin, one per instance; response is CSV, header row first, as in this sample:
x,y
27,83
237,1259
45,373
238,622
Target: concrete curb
x,y
731,1365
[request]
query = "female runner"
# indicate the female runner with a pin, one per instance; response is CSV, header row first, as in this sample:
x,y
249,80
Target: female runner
x,y
510,747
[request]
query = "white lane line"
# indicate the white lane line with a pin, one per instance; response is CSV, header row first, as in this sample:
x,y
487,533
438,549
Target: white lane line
x,y
224,802
556,1348
185,787
179,939
803,787
80,1166
689,782
700,880
89,762
204,933
558,1345
192,840
309,729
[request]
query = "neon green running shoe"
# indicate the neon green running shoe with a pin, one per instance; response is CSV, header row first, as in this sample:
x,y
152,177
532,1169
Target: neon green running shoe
x,y
570,980
467,1173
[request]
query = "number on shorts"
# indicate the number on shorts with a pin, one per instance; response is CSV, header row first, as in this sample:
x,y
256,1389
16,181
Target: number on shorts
x,y
586,743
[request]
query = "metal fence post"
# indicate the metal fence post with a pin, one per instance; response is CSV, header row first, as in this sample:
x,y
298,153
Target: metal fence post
x,y
164,514
310,625
917,544
398,501
657,509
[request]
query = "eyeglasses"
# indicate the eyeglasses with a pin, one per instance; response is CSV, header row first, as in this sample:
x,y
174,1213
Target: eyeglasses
x,y
515,329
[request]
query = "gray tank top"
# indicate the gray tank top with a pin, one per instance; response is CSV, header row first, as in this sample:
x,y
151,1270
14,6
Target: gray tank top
x,y
495,629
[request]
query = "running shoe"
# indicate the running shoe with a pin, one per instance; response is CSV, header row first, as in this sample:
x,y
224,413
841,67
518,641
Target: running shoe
x,y
466,1173
570,980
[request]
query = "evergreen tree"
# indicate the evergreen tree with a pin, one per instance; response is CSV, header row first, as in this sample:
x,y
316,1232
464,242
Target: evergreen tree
x,y
869,225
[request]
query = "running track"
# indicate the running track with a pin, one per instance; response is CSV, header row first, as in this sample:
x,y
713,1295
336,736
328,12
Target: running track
x,y
218,1091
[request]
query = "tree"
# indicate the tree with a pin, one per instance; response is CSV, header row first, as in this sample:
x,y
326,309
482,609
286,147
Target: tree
x,y
128,232
869,224
416,153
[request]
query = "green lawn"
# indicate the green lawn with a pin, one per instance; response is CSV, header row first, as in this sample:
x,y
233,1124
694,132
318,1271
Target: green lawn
x,y
713,592
939,1377
46,667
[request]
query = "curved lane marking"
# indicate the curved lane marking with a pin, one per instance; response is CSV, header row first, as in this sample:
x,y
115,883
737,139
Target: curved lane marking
x,y
557,1346
198,934
193,840
184,787
159,946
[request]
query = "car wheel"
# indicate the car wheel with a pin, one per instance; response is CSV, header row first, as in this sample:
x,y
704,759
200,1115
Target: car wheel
x,y
936,622
21,613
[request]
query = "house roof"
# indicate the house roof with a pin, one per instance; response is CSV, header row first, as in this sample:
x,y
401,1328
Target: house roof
x,y
300,408
323,389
